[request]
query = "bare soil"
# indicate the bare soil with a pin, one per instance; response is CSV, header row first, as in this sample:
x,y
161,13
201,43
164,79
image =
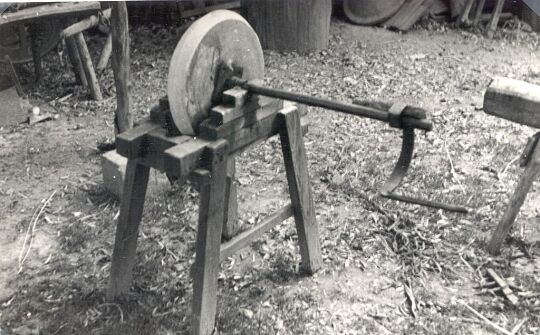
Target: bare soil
x,y
379,256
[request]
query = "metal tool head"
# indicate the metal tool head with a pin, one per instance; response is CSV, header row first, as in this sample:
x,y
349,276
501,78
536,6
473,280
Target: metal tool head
x,y
216,42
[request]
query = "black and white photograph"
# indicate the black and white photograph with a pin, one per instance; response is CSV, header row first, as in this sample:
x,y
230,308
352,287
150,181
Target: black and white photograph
x,y
273,167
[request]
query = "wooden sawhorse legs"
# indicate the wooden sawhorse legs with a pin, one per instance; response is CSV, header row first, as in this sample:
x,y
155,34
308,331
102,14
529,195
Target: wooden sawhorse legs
x,y
516,201
213,176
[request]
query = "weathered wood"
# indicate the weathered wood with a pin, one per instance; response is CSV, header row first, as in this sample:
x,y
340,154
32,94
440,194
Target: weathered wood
x,y
36,54
294,155
492,25
231,225
76,62
51,11
370,12
105,54
479,11
181,160
245,238
464,16
198,10
125,245
199,57
514,100
121,66
88,67
211,215
516,201
83,25
302,26
504,286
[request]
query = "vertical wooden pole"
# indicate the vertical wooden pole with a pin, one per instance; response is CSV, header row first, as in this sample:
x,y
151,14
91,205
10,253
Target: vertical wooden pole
x,y
492,25
464,17
75,60
230,224
88,67
294,154
127,231
121,65
211,215
525,183
36,54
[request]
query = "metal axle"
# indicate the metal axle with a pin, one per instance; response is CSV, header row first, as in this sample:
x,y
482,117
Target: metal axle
x,y
413,121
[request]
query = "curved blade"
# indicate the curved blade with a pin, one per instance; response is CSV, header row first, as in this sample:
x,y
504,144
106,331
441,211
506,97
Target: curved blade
x,y
403,163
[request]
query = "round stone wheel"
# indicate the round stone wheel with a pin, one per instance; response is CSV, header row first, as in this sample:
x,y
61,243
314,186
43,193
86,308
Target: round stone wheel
x,y
370,12
220,38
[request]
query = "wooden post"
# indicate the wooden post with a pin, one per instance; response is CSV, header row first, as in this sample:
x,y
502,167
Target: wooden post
x,y
492,25
525,183
105,54
76,62
230,224
301,25
479,10
36,52
211,215
294,156
127,231
88,67
464,17
121,66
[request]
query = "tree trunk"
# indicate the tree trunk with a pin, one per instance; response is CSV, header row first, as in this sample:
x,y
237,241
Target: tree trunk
x,y
121,66
290,25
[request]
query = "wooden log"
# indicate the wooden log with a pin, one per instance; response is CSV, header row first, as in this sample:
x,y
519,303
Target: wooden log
x,y
294,155
492,25
76,62
121,66
211,215
91,78
125,244
302,26
105,54
516,201
514,100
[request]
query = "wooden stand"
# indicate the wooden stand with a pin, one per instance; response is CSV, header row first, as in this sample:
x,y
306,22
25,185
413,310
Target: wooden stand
x,y
229,129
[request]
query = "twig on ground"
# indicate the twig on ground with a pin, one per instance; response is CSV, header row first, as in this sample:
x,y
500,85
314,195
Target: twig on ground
x,y
32,231
410,295
486,320
452,169
518,326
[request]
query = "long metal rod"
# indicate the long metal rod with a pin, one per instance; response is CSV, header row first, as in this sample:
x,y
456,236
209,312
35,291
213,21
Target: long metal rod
x,y
348,108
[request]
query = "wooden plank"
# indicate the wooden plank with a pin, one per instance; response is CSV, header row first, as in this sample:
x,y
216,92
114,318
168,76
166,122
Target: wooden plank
x,y
408,14
294,155
516,201
130,144
183,159
513,100
492,25
248,236
121,66
203,10
155,144
211,215
125,244
51,11
88,67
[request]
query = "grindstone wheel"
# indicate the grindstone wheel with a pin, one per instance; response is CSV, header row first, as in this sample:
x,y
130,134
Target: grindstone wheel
x,y
370,12
220,39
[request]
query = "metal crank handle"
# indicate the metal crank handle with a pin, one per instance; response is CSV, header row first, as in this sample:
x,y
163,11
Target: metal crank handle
x,y
348,108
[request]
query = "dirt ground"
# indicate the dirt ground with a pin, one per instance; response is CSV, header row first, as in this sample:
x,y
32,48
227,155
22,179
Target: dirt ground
x,y
389,268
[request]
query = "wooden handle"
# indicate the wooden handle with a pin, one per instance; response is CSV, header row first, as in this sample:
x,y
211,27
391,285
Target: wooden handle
x,y
514,100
